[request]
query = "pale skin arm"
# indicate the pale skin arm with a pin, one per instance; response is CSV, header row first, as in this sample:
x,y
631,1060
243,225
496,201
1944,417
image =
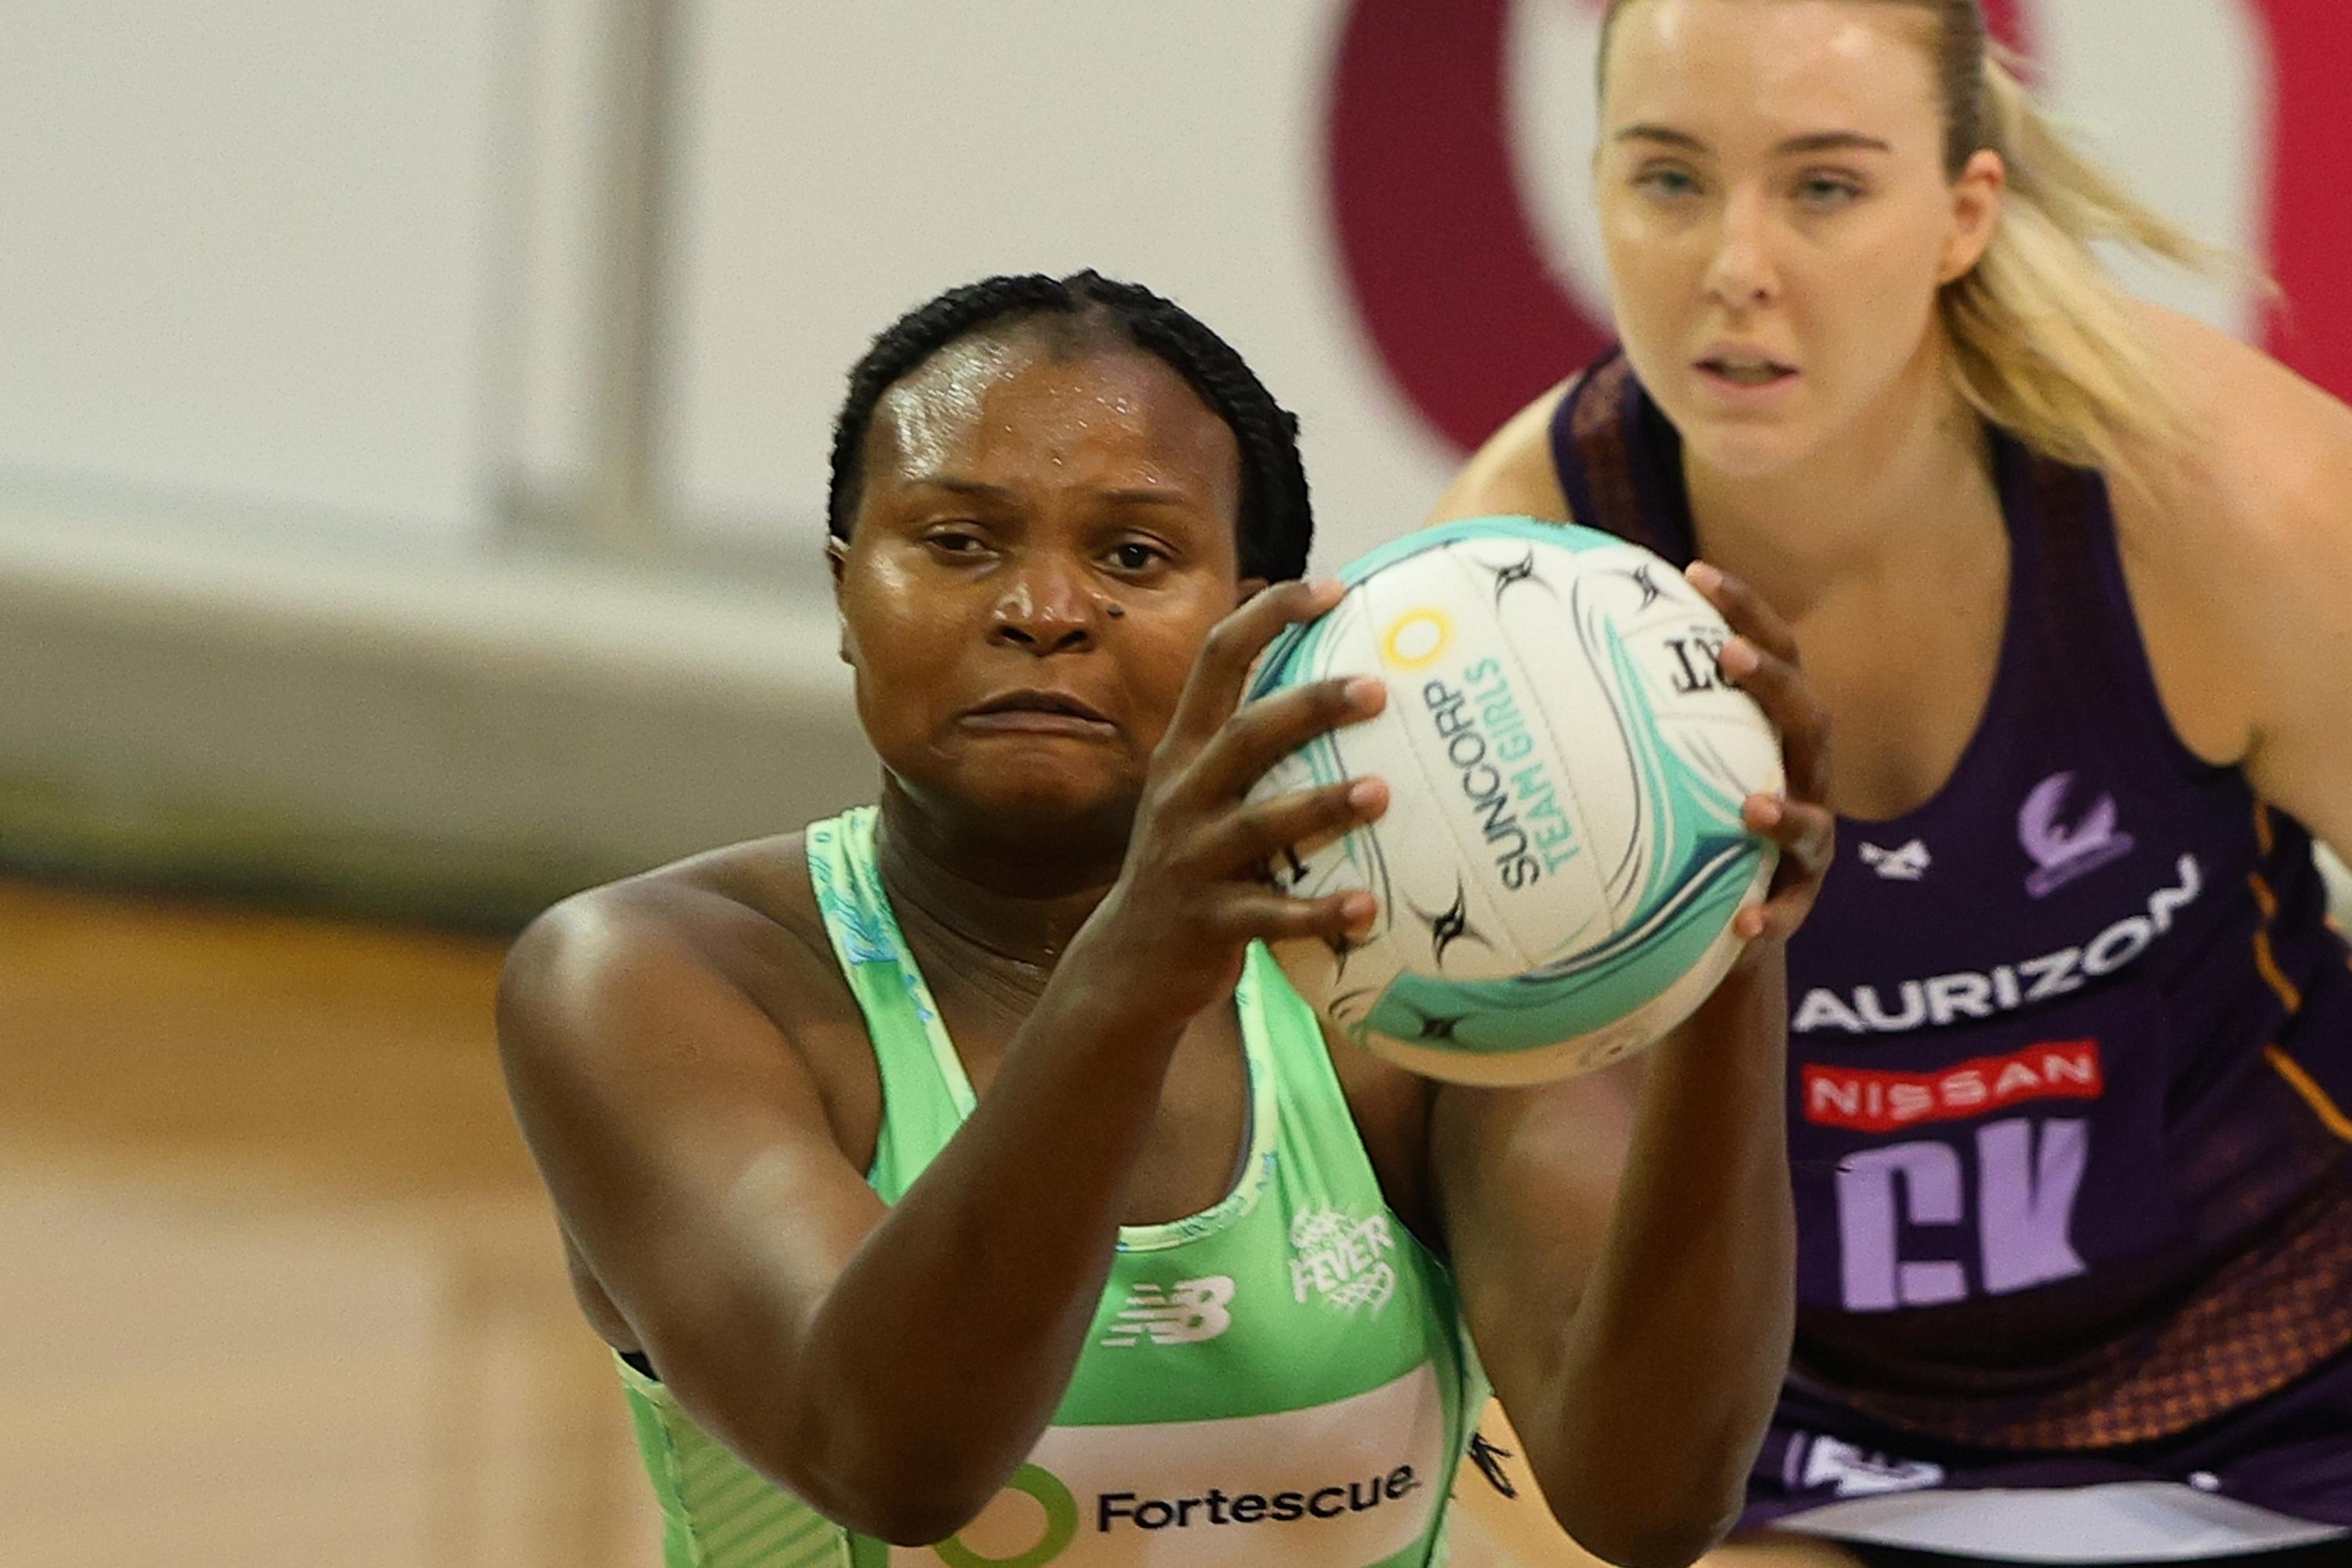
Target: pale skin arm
x,y
2243,560
1512,474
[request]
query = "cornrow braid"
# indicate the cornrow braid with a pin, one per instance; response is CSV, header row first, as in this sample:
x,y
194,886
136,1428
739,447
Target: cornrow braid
x,y
1276,525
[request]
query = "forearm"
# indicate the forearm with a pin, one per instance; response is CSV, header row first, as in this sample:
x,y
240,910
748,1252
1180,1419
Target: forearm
x,y
938,1355
1671,1363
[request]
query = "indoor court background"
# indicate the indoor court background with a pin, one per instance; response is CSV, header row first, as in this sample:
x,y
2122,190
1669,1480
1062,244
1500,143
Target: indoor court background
x,y
413,424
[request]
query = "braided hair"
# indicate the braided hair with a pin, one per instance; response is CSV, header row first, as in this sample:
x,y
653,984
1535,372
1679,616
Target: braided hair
x,y
1276,523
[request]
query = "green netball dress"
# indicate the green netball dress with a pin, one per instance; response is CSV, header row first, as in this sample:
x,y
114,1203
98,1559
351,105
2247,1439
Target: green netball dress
x,y
1281,1378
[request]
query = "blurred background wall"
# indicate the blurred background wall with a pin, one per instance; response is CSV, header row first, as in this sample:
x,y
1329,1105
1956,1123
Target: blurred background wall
x,y
412,418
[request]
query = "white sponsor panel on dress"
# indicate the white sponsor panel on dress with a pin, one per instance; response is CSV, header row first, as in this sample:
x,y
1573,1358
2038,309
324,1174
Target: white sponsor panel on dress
x,y
1336,1486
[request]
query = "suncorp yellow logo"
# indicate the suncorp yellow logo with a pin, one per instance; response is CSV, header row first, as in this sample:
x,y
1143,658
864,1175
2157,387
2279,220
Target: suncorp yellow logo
x,y
1417,639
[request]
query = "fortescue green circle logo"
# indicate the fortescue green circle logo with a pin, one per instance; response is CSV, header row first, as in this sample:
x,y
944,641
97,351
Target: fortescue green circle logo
x,y
1061,1524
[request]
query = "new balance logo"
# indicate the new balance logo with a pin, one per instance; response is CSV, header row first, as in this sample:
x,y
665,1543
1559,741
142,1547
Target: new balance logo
x,y
1908,864
1184,1313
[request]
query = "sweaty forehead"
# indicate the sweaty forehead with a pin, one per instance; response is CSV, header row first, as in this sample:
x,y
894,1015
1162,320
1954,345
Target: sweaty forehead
x,y
1737,70
1015,405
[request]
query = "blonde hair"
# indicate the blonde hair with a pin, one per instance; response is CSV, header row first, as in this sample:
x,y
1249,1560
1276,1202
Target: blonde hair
x,y
2044,342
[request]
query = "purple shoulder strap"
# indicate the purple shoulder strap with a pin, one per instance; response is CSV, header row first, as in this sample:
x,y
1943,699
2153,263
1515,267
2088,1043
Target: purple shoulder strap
x,y
1617,472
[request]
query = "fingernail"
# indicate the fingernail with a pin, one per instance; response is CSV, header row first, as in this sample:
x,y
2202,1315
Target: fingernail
x,y
1367,693
1366,796
1361,913
1767,813
1702,577
1739,658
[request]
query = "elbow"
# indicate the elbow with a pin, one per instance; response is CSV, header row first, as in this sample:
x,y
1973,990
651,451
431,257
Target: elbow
x,y
904,1509
1662,1498
1656,1531
909,1494
1670,1543
918,1521
879,1466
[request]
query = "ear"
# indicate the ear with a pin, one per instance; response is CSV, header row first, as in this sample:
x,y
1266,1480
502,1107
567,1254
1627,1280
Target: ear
x,y
1977,197
836,557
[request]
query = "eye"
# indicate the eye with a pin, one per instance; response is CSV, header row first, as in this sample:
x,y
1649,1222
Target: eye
x,y
1669,184
1134,556
956,543
1828,191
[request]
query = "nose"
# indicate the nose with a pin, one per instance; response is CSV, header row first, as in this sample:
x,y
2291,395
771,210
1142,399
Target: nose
x,y
1742,276
1047,607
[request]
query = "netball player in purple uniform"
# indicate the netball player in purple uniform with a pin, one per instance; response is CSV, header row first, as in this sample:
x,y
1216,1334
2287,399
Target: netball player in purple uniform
x,y
2072,1042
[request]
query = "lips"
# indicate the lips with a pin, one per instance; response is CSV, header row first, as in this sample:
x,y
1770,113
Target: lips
x,y
1745,367
1038,711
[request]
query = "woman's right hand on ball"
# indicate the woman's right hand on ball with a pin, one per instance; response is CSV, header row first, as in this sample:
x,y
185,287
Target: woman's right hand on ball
x,y
1194,893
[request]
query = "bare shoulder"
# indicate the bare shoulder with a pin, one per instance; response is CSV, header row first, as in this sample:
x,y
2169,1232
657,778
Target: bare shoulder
x,y
1513,474
738,912
740,922
665,1038
2269,463
2236,549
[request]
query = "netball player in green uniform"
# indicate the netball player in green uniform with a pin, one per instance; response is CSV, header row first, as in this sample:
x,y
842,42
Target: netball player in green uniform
x,y
959,1181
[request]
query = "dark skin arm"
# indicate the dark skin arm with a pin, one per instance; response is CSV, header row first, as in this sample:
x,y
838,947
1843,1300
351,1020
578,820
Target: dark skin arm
x,y
794,1315
1653,1203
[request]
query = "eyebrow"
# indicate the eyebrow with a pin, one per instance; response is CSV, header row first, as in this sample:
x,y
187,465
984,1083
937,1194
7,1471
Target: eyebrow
x,y
1130,496
1815,142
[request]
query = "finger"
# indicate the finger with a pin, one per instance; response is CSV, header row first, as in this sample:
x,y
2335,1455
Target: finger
x,y
1780,689
1249,837
1806,836
1267,731
1221,670
1778,918
1744,609
1250,914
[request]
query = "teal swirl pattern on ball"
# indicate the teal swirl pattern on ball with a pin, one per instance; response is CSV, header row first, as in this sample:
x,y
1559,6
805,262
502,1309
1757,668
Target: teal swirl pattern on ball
x,y
1700,866
1690,865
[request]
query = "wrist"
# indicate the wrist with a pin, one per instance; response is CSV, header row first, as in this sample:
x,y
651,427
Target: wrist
x,y
1105,1003
1741,1028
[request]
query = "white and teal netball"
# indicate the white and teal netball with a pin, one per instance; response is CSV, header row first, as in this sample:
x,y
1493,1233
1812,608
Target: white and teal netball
x,y
1563,850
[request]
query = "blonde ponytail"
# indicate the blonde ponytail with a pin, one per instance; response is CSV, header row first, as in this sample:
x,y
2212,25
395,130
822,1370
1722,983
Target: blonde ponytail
x,y
2045,343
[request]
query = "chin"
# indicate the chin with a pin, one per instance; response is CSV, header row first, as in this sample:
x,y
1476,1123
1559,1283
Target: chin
x,y
1753,451
1055,808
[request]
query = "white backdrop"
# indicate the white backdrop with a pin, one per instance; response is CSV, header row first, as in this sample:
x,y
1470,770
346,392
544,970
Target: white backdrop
x,y
246,251
855,159
337,261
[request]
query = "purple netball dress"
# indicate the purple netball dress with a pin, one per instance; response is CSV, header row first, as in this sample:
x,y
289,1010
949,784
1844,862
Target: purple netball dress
x,y
2068,1049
